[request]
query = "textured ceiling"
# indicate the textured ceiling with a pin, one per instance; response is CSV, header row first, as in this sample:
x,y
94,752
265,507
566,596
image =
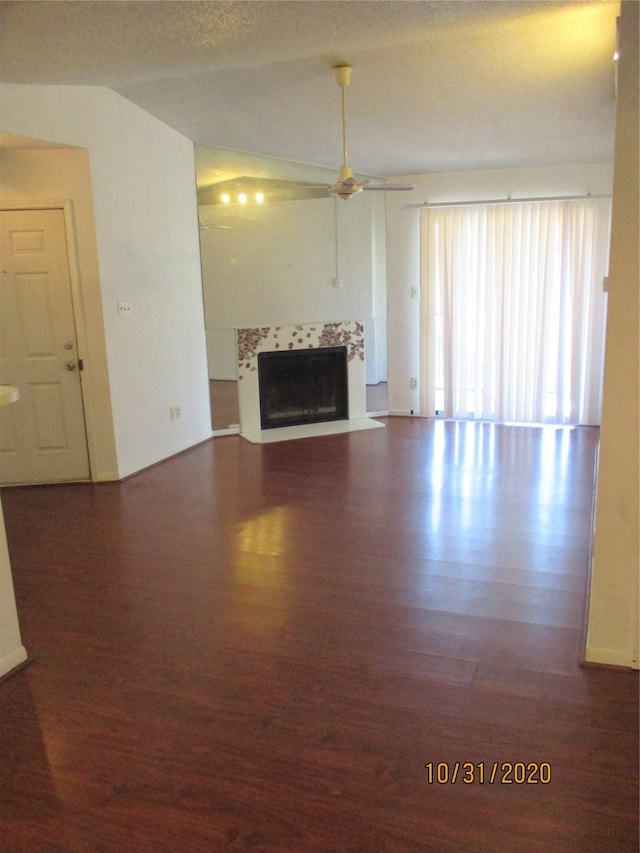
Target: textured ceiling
x,y
437,86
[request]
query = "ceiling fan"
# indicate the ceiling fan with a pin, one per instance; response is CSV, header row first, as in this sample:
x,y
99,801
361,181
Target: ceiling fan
x,y
346,185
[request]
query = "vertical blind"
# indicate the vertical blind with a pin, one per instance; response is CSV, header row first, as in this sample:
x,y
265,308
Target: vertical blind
x,y
513,322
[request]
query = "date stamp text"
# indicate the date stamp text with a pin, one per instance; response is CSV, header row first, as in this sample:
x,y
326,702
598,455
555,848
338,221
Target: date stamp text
x,y
488,772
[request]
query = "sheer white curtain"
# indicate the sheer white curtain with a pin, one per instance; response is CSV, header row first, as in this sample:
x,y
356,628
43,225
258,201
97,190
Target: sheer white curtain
x,y
513,310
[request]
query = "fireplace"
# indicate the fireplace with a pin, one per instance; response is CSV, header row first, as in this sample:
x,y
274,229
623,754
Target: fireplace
x,y
303,386
298,404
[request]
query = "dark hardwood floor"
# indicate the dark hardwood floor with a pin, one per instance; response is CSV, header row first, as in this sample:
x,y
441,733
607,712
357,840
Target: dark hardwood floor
x,y
261,647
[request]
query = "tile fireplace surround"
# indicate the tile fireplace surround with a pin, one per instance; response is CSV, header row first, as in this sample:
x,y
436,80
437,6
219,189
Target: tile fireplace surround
x,y
251,342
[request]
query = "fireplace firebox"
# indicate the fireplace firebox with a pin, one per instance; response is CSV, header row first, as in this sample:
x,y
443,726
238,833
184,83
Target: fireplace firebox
x,y
303,386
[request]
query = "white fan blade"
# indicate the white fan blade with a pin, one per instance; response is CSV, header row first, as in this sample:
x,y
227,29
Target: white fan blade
x,y
391,187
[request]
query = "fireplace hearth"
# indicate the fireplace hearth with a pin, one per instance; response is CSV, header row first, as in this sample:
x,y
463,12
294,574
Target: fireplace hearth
x,y
303,386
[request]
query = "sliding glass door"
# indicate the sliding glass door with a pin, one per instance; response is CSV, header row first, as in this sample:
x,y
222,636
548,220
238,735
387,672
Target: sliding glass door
x,y
513,310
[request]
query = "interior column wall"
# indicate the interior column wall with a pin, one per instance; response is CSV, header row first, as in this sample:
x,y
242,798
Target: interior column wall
x,y
613,632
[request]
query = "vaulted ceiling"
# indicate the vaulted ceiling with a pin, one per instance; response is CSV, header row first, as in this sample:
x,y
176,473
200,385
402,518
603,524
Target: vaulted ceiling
x,y
437,86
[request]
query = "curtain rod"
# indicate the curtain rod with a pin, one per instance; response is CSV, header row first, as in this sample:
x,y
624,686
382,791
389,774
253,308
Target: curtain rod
x,y
507,200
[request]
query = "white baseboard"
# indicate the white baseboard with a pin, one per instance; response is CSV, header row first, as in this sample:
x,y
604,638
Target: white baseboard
x,y
233,429
611,657
12,660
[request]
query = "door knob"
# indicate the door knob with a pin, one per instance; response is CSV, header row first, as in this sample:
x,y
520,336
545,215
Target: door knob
x,y
68,344
70,365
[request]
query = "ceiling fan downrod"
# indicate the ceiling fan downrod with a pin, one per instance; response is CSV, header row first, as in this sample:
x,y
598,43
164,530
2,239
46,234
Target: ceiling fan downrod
x,y
346,186
343,77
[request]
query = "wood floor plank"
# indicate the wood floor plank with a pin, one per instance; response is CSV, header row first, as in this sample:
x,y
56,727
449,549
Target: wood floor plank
x,y
260,647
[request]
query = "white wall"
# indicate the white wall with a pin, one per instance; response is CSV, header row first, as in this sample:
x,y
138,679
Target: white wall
x,y
143,182
403,247
613,623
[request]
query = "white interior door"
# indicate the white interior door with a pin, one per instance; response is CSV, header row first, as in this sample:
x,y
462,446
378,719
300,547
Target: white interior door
x,y
42,436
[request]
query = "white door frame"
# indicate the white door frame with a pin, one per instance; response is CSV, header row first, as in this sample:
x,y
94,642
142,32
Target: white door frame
x,y
66,205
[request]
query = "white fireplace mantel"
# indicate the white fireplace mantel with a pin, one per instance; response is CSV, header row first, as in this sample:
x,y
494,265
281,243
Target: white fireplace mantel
x,y
250,342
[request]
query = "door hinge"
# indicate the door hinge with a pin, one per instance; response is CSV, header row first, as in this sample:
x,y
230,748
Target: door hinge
x,y
80,364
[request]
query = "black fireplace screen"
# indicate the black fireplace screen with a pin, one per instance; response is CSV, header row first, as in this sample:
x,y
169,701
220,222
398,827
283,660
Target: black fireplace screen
x,y
303,386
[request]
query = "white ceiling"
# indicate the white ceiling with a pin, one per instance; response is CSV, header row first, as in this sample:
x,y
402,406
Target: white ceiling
x,y
437,86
